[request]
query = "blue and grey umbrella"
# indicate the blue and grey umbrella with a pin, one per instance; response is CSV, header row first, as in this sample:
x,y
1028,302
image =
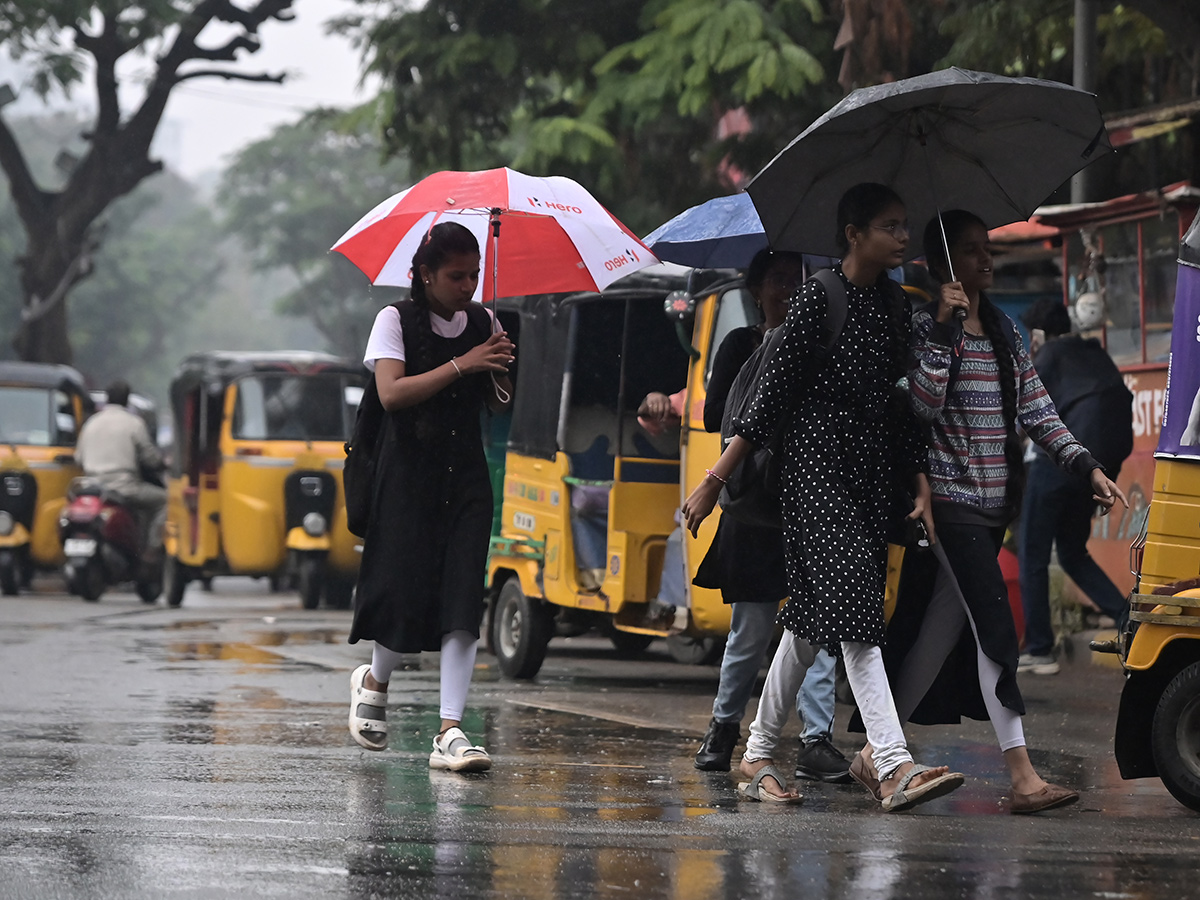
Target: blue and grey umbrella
x,y
722,233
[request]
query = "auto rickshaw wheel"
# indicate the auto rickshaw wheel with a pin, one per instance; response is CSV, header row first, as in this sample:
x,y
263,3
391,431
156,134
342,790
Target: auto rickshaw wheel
x,y
1175,737
521,631
175,579
695,651
9,579
149,589
310,580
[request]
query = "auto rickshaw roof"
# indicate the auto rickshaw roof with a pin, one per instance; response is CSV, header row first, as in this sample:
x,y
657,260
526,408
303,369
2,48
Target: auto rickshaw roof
x,y
43,375
217,368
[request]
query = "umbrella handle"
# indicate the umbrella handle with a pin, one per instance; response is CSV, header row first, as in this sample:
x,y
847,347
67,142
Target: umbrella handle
x,y
959,314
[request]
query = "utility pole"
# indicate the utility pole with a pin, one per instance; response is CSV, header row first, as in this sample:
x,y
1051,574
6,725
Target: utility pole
x,y
1085,79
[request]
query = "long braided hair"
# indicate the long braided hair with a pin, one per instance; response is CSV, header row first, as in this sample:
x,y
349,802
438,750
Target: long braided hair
x,y
444,240
995,325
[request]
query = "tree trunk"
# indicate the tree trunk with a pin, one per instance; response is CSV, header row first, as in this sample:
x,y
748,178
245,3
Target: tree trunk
x,y
42,335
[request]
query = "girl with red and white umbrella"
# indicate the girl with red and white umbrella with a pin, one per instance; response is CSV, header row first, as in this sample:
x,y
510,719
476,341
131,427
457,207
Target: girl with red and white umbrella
x,y
437,358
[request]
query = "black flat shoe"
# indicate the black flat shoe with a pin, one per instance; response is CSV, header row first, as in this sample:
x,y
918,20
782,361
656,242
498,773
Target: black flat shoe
x,y
819,760
717,748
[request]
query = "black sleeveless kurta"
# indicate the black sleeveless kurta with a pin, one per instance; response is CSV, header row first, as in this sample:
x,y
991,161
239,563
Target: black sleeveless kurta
x,y
425,552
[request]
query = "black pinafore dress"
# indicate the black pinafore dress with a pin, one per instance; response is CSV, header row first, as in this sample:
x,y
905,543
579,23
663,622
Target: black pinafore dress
x,y
425,552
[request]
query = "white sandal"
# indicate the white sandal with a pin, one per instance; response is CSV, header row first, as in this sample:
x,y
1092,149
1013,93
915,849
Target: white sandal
x,y
452,750
368,712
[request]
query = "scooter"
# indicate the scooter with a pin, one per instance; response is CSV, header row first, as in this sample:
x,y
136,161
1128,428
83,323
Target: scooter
x,y
103,544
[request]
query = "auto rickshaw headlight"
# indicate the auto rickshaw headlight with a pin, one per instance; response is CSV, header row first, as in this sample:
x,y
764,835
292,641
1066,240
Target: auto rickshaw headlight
x,y
314,524
7,522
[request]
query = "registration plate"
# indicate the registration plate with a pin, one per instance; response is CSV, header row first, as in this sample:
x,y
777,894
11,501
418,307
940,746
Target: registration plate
x,y
79,547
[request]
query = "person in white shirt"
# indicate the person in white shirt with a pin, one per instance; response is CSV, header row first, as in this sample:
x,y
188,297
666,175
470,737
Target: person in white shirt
x,y
115,448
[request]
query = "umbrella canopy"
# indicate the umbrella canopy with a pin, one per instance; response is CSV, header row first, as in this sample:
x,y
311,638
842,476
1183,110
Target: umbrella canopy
x,y
722,233
537,235
952,139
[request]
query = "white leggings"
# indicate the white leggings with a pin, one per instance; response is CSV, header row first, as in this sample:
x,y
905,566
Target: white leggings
x,y
868,680
944,621
457,667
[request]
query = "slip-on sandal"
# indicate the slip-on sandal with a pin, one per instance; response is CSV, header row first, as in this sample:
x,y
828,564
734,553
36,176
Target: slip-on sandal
x,y
1051,796
905,797
754,790
368,712
452,751
864,773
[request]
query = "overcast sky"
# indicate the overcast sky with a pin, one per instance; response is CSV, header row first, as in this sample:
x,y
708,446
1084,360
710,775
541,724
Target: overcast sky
x,y
208,119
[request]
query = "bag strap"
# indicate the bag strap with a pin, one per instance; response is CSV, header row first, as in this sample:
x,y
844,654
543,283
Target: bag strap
x,y
836,309
477,316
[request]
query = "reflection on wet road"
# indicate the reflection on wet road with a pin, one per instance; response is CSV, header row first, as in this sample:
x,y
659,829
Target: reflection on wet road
x,y
204,754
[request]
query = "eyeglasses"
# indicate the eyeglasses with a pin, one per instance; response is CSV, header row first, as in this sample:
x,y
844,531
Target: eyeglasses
x,y
895,229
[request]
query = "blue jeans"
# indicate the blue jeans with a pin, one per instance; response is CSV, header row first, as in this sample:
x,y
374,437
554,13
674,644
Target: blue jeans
x,y
1058,511
750,634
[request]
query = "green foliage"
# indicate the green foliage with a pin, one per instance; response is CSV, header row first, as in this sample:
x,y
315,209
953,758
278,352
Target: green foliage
x,y
729,52
624,96
290,196
158,261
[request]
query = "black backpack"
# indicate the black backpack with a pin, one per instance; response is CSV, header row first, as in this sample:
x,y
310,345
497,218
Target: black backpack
x,y
751,493
358,472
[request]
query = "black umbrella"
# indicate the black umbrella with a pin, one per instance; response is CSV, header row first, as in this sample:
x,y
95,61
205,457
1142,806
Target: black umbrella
x,y
952,139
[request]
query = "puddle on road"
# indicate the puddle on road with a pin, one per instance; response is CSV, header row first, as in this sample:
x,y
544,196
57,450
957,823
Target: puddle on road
x,y
192,651
316,636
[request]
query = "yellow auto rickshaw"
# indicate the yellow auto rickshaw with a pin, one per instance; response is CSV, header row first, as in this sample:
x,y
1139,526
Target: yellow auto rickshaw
x,y
1158,723
588,497
42,408
255,484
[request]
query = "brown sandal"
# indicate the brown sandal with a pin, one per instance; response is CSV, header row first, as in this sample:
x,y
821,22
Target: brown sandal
x,y
864,773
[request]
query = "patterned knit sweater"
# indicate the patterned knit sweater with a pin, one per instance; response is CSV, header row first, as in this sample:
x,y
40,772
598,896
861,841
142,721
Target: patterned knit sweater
x,y
967,431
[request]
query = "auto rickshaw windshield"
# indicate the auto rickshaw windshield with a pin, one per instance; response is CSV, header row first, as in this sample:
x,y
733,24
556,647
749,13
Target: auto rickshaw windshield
x,y
274,407
36,416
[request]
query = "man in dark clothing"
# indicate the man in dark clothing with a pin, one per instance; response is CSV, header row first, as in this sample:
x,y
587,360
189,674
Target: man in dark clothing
x,y
1094,403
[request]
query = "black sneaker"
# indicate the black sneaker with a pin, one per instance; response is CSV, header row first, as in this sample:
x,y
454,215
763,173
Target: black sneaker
x,y
717,747
819,760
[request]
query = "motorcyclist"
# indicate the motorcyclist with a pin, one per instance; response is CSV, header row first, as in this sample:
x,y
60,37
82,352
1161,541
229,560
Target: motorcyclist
x,y
115,448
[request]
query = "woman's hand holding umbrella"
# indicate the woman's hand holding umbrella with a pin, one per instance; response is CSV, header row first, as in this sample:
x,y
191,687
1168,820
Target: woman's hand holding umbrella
x,y
493,355
953,298
923,507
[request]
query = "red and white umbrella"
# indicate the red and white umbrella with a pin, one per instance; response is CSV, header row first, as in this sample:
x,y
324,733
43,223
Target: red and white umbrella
x,y
538,235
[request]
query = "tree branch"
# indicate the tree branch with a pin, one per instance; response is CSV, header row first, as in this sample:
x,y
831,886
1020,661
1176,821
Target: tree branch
x,y
29,198
142,125
106,48
250,19
230,76
229,51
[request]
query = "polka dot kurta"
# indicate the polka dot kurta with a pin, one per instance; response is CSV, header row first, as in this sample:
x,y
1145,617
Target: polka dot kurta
x,y
845,452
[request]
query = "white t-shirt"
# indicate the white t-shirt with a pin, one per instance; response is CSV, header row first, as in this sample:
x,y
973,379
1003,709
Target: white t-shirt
x,y
387,335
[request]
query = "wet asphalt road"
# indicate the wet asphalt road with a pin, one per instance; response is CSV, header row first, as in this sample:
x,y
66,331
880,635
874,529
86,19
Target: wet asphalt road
x,y
203,752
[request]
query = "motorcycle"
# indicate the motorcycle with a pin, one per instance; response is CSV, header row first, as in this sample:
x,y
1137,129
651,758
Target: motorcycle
x,y
104,545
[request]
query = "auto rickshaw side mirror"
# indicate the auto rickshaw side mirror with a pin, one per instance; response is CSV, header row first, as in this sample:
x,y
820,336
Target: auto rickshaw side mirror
x,y
680,306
